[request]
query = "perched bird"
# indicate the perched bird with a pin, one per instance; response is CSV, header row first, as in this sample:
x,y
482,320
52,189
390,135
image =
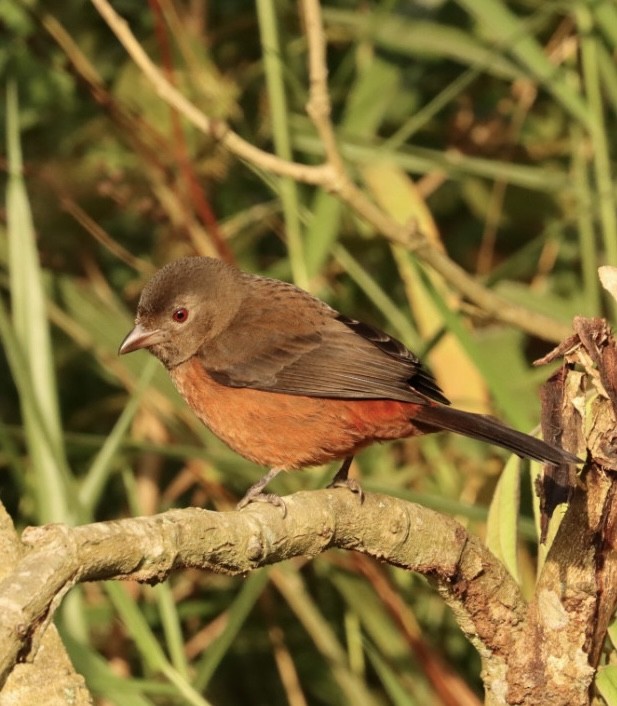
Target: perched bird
x,y
286,381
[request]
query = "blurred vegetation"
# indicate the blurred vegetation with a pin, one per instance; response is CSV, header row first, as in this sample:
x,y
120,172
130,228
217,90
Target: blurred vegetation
x,y
490,122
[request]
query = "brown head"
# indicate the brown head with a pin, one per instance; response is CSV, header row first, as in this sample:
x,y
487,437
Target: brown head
x,y
185,304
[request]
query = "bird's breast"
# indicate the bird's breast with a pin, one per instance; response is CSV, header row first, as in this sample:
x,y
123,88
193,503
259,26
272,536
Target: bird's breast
x,y
289,431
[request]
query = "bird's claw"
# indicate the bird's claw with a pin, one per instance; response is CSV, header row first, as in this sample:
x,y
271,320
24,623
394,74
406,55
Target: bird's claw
x,y
260,497
341,480
349,483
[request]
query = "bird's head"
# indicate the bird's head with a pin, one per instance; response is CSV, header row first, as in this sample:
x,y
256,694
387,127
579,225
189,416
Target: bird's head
x,y
185,304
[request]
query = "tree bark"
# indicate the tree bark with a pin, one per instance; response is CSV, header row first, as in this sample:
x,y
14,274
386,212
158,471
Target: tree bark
x,y
45,674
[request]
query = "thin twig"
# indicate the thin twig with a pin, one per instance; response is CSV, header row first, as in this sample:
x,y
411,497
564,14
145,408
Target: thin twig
x,y
319,106
101,235
216,128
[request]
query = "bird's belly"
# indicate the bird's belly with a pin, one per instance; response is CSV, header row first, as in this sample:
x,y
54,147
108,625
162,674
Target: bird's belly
x,y
289,431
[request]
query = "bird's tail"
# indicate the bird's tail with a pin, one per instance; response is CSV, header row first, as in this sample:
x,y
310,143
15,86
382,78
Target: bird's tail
x,y
479,426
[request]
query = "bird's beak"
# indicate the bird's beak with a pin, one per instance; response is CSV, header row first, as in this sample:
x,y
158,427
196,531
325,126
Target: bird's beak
x,y
140,337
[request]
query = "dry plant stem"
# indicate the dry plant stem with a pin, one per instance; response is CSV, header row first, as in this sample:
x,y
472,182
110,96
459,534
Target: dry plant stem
x,y
319,107
147,549
145,139
492,304
101,236
446,682
216,128
195,194
331,175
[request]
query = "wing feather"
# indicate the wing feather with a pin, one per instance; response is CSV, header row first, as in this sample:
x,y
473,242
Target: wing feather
x,y
318,353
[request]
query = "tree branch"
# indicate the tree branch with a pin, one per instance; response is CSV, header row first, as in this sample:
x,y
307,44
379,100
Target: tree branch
x,y
49,678
147,549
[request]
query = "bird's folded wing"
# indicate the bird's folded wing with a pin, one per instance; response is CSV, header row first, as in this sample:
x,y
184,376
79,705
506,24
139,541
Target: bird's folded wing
x,y
315,352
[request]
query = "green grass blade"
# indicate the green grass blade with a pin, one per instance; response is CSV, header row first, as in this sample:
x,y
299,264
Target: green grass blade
x,y
103,681
148,645
288,189
421,38
424,115
502,522
443,504
608,75
29,311
400,324
421,160
606,682
172,628
599,136
515,409
391,680
375,88
605,14
136,625
585,226
291,585
510,33
100,469
30,348
238,612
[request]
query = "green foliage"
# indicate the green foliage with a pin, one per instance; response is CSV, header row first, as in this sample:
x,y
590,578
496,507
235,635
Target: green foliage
x,y
607,684
489,129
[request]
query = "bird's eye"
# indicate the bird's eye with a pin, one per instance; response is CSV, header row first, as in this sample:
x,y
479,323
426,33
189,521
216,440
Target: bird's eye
x,y
180,315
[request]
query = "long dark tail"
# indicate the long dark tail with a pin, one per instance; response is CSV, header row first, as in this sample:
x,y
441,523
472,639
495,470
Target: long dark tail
x,y
479,426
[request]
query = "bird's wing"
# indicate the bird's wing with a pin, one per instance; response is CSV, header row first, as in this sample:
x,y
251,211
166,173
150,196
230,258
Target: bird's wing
x,y
292,343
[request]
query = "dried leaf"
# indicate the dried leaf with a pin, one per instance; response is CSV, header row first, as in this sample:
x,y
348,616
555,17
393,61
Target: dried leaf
x,y
608,277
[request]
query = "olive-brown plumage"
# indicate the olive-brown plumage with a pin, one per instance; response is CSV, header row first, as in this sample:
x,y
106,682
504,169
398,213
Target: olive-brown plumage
x,y
287,381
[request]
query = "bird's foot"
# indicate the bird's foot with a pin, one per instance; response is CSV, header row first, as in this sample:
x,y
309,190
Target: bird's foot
x,y
261,497
341,480
255,494
349,483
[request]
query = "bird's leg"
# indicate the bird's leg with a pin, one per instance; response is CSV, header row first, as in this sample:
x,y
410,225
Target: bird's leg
x,y
256,492
341,479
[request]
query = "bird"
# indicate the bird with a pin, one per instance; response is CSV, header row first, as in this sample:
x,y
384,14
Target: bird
x,y
287,381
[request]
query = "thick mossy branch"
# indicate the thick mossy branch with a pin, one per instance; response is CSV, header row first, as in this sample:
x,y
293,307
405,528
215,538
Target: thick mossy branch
x,y
148,548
